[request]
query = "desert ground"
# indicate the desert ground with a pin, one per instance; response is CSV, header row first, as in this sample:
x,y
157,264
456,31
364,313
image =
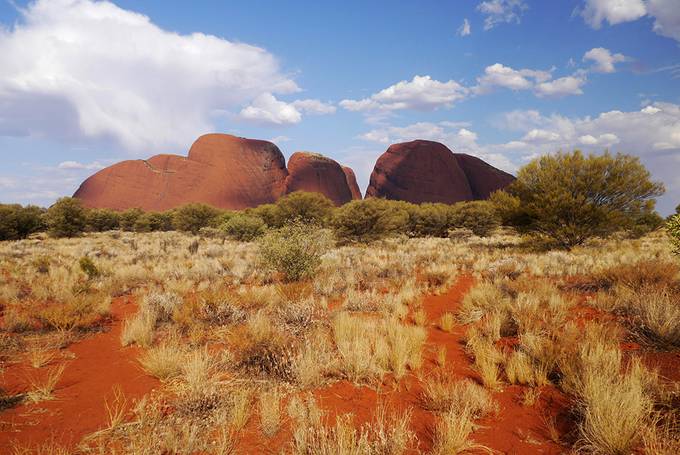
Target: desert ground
x,y
169,342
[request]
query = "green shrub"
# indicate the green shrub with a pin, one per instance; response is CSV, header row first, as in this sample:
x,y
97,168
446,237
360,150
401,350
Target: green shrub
x,y
306,207
128,219
87,266
100,220
480,217
193,217
244,227
66,218
673,227
294,250
154,221
369,219
429,220
269,213
17,222
570,198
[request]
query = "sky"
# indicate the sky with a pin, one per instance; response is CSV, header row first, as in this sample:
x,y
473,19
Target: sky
x,y
84,83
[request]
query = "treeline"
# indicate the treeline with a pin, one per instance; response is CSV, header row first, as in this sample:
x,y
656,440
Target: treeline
x,y
363,220
566,199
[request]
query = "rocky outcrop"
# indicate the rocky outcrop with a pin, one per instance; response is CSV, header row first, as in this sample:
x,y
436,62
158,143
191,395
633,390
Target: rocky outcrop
x,y
352,182
426,171
316,173
221,170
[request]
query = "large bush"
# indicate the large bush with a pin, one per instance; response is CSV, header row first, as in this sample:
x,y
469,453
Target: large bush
x,y
673,227
154,221
100,220
428,220
17,222
480,217
570,198
193,217
128,218
294,250
306,207
269,213
369,219
66,218
244,227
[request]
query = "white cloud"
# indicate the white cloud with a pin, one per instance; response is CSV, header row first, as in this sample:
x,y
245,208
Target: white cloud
x,y
464,29
68,165
266,109
652,133
279,139
314,107
83,69
613,11
564,86
499,75
460,140
667,17
422,93
501,11
666,14
603,59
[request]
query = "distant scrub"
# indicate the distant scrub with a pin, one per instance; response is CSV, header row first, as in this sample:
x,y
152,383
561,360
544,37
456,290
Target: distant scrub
x,y
17,222
66,218
244,227
673,227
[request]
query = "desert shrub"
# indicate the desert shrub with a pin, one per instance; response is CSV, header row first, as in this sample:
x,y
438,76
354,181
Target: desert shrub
x,y
100,220
17,222
294,250
193,217
244,227
570,198
128,218
154,221
307,207
269,213
428,220
88,267
646,222
66,218
369,219
673,228
480,217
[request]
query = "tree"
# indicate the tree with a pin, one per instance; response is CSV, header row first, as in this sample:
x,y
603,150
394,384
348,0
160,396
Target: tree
x,y
66,218
570,198
244,227
154,221
480,217
100,220
193,217
369,219
129,217
306,207
17,222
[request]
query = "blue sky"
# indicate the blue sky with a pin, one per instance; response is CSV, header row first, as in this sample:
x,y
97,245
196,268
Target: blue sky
x,y
84,84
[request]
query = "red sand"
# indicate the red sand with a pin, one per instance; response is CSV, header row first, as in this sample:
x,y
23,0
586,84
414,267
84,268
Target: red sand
x,y
99,365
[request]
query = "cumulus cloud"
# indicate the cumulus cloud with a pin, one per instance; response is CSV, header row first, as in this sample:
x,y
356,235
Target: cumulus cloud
x,y
459,139
266,109
612,11
666,14
422,93
68,165
558,88
499,75
652,133
314,107
84,69
501,11
603,60
464,29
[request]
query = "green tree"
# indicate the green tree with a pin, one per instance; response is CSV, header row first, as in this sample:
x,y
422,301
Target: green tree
x,y
193,217
17,222
100,220
244,227
429,220
269,213
154,221
369,219
306,207
570,198
480,217
294,250
129,218
66,218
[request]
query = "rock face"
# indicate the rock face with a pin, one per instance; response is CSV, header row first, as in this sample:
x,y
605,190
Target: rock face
x,y
316,173
352,182
225,171
425,171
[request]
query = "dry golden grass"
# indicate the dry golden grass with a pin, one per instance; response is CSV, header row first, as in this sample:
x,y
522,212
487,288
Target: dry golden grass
x,y
42,390
442,394
139,329
447,321
269,405
486,358
452,433
164,362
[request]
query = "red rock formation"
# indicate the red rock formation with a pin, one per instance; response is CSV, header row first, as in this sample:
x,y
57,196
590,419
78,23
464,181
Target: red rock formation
x,y
316,173
221,170
352,182
484,179
425,171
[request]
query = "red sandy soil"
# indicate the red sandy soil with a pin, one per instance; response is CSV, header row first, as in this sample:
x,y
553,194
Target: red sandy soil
x,y
99,364
517,429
